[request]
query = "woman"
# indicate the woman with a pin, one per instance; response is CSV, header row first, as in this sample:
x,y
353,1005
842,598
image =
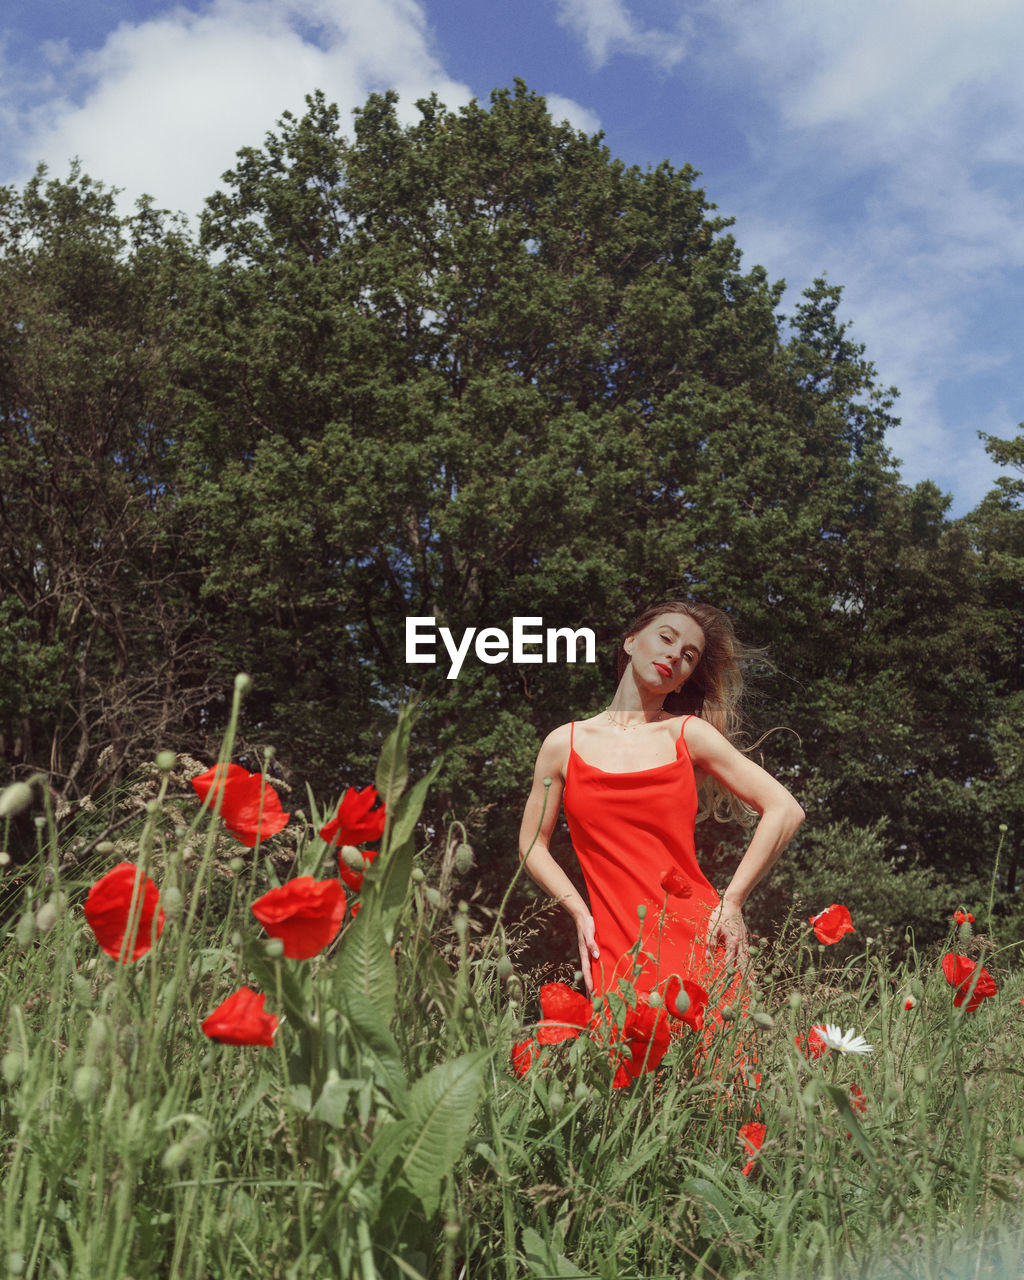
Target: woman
x,y
628,779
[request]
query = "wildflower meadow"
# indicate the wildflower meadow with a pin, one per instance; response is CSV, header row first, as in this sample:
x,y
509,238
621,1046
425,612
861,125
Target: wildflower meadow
x,y
244,1036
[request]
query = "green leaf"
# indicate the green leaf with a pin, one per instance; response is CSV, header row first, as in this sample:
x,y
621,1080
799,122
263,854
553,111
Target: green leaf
x,y
442,1105
841,1098
376,1044
408,809
393,765
364,966
543,1260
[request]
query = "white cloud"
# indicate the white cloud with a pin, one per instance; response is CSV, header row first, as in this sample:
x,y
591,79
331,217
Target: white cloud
x,y
607,27
163,106
566,109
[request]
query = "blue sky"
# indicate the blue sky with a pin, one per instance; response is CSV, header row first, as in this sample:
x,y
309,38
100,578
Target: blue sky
x,y
880,143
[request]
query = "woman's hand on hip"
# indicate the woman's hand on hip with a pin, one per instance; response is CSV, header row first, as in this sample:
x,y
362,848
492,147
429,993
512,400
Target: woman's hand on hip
x,y
727,931
588,949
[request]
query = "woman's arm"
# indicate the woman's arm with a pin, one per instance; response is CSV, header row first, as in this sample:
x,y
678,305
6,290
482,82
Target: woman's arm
x,y
539,818
780,816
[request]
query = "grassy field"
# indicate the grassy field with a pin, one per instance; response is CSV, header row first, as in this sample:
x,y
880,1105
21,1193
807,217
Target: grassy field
x,y
381,1131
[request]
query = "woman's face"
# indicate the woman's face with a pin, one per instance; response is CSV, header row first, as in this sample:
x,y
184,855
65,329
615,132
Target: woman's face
x,y
664,654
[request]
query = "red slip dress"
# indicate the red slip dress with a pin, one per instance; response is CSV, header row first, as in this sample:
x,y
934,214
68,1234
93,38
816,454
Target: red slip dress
x,y
628,831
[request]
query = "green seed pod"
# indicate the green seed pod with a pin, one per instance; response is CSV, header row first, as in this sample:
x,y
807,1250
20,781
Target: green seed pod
x,y
966,931
763,1019
12,1066
105,847
236,865
417,875
920,1074
461,926
14,798
243,683
5,858
464,858
654,1000
274,948
581,1093
642,911
86,1084
432,896
463,908
504,968
97,1037
728,1013
556,1101
165,761
795,1000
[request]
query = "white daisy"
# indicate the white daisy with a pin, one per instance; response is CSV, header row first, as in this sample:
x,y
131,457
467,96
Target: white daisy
x,y
843,1041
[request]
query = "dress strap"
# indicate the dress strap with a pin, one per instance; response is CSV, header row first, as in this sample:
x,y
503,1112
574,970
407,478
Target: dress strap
x,y
679,741
572,726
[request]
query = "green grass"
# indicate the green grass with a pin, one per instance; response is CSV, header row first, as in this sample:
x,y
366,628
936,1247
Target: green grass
x,y
385,1135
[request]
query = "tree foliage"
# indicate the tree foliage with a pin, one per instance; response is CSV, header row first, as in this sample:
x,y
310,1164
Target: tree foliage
x,y
474,368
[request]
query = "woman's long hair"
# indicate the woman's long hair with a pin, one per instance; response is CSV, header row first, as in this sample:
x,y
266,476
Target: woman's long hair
x,y
713,691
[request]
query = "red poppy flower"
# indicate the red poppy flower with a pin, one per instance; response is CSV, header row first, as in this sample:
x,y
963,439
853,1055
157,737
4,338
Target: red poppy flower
x,y
963,917
356,820
305,914
959,973
107,910
523,1054
832,923
675,883
566,1013
241,1019
642,1044
752,1134
857,1099
353,878
249,806
693,1016
815,1045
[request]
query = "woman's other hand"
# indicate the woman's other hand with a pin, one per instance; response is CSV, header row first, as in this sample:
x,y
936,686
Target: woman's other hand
x,y
728,930
588,948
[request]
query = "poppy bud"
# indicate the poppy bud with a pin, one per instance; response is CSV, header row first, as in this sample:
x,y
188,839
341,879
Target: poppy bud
x,y
12,1065
175,1156
14,798
920,1074
352,858
165,761
5,858
86,1084
433,897
642,911
243,683
15,1263
581,1093
682,1003
417,875
464,858
504,968
728,1013
46,916
26,929
654,1000
556,1101
236,865
461,925
764,1020
81,989
105,847
274,948
795,1000
173,903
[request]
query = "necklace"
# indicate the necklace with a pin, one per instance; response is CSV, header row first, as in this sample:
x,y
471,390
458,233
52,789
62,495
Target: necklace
x,y
627,727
